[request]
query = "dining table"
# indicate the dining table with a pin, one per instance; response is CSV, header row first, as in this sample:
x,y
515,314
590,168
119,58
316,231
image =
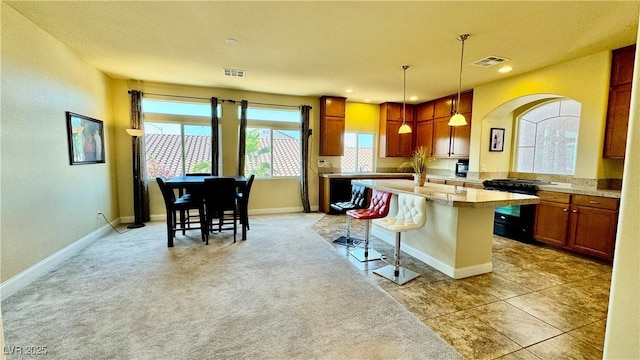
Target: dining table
x,y
191,183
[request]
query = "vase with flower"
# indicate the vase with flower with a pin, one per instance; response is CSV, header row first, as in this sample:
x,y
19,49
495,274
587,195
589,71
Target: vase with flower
x,y
419,162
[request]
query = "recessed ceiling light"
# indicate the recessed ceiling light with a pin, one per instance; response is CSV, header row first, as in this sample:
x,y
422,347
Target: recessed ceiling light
x,y
367,100
505,69
349,91
231,41
413,98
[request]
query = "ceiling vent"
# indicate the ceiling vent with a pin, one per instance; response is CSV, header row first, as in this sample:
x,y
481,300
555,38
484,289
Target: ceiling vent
x,y
234,73
490,61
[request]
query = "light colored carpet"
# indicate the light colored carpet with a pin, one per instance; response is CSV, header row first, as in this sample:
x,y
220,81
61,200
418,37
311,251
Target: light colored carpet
x,y
283,294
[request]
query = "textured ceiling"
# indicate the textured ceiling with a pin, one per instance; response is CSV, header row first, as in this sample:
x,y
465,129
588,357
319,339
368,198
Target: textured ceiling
x,y
315,48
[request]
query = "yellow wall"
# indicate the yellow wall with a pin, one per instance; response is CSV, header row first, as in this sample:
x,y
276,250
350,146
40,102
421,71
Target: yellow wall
x,y
47,203
622,339
267,195
585,80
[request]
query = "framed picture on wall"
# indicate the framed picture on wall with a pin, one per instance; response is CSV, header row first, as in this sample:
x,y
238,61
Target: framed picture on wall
x,y
85,136
496,141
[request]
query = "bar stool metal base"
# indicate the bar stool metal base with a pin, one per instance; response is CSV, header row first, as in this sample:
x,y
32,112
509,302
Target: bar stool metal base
x,y
342,240
359,254
404,275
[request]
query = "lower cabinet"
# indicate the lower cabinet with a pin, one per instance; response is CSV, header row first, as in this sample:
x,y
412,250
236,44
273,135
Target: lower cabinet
x,y
581,223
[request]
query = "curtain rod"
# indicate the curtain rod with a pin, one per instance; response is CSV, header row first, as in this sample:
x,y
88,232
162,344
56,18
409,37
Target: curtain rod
x,y
222,100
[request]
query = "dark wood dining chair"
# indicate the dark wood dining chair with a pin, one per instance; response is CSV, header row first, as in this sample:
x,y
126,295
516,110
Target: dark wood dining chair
x,y
220,199
243,201
180,205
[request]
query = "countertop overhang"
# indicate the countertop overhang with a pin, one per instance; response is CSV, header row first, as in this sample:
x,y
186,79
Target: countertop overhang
x,y
450,195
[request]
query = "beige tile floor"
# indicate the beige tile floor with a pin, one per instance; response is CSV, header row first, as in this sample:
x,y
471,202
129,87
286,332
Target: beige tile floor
x,y
538,303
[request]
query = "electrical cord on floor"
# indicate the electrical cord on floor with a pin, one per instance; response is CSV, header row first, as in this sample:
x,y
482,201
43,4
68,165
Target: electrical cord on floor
x,y
114,228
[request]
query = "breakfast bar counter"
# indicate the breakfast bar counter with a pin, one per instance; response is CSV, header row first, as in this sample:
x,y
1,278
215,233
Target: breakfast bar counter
x,y
457,236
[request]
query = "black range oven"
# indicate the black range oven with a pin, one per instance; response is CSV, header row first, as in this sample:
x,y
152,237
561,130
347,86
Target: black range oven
x,y
516,221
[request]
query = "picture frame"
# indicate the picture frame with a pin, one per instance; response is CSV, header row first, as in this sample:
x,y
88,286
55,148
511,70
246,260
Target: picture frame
x,y
85,137
496,140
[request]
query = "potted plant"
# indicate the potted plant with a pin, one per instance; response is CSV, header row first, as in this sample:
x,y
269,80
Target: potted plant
x,y
419,162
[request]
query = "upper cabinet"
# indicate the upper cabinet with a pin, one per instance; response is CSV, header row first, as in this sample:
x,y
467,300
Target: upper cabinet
x,y
615,136
393,144
452,141
424,126
332,115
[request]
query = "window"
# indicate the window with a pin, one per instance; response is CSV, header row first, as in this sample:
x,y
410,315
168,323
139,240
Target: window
x,y
177,137
358,152
273,146
547,137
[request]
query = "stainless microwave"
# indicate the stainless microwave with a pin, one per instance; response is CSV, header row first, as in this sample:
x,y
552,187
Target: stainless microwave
x,y
462,167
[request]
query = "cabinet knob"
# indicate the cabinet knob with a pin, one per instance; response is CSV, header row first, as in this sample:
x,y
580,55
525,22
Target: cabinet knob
x,y
565,209
594,202
574,211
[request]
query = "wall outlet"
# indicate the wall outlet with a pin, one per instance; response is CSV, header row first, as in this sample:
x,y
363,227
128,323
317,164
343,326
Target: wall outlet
x,y
483,167
322,163
99,214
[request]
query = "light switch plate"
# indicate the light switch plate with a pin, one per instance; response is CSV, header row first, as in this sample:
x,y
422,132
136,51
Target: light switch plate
x,y
322,163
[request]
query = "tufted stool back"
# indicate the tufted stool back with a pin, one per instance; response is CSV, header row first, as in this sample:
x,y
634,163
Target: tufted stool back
x,y
378,206
412,214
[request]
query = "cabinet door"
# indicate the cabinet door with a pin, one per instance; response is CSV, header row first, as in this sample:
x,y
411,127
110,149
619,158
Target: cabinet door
x,y
398,145
443,107
551,224
622,65
332,136
424,111
394,111
424,135
333,106
593,231
466,102
441,137
617,121
460,138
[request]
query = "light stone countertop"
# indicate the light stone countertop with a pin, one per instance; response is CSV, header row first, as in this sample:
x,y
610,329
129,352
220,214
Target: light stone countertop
x,y
554,186
573,189
366,175
450,195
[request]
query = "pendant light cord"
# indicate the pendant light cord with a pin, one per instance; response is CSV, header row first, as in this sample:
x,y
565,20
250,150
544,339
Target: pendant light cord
x,y
461,38
404,92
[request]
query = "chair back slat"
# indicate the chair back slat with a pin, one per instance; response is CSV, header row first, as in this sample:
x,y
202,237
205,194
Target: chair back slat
x,y
167,193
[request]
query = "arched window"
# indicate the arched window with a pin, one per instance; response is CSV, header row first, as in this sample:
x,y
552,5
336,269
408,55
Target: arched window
x,y
547,138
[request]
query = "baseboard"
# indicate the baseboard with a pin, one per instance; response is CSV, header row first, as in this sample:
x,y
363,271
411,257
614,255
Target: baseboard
x,y
28,276
453,272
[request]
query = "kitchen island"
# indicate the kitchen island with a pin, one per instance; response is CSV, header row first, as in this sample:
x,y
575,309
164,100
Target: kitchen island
x,y
457,236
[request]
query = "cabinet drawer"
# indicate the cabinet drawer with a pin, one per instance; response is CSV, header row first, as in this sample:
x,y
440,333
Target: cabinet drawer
x,y
554,196
596,202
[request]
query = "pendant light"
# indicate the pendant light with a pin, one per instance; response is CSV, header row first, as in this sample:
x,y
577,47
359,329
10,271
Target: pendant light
x,y
458,119
404,128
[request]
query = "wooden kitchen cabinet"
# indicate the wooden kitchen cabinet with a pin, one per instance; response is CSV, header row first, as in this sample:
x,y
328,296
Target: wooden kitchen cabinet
x,y
615,136
393,144
332,118
552,218
452,141
581,223
424,126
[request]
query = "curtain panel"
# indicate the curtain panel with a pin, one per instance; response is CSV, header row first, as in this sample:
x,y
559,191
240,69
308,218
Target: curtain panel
x,y
215,147
304,174
242,136
140,188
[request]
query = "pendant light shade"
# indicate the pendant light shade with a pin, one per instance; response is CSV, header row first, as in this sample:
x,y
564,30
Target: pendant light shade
x,y
404,128
458,119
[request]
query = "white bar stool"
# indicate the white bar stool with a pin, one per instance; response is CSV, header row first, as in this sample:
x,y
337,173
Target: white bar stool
x,y
412,214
